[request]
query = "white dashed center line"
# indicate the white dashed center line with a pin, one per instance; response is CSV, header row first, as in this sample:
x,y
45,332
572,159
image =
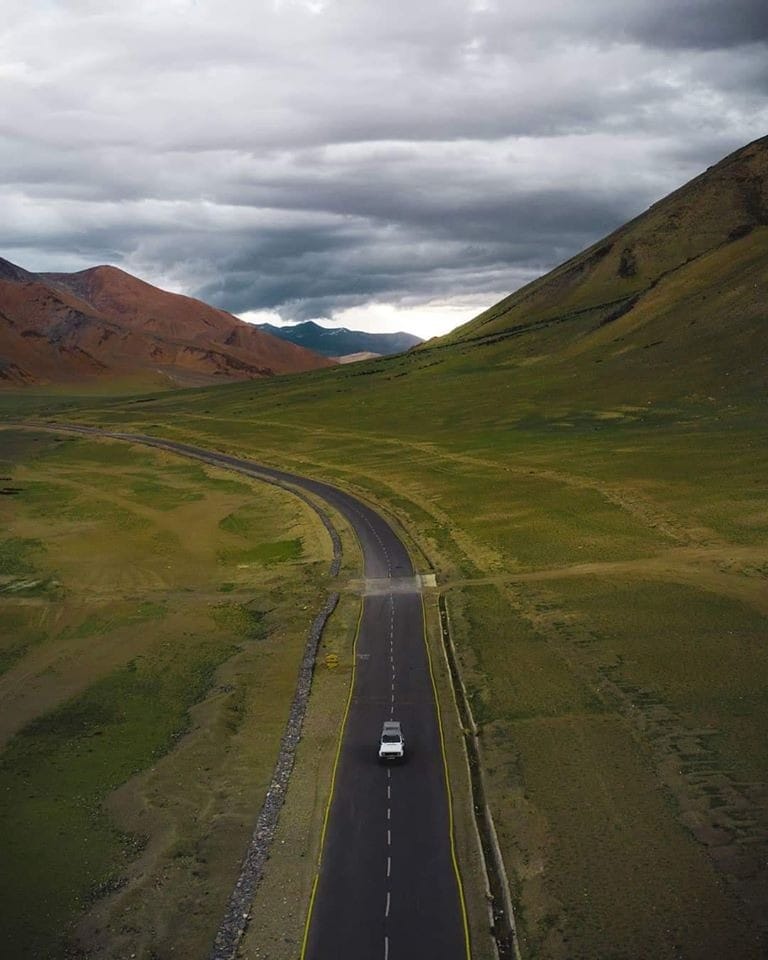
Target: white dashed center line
x,y
389,772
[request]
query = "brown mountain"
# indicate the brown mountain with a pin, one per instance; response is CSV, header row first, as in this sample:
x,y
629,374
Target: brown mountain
x,y
104,323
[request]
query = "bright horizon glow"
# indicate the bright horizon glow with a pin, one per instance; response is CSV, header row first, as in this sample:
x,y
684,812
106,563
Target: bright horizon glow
x,y
431,319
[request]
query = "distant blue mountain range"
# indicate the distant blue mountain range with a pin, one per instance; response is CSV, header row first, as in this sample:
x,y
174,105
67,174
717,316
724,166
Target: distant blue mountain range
x,y
339,342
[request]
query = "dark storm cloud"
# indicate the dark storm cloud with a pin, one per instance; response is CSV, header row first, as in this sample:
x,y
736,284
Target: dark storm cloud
x,y
663,24
308,156
454,246
709,25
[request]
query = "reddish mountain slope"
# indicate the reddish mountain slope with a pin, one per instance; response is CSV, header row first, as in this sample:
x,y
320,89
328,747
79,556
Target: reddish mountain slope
x,y
104,323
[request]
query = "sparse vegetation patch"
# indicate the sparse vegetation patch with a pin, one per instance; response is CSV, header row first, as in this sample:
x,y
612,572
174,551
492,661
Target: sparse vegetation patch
x,y
133,685
16,556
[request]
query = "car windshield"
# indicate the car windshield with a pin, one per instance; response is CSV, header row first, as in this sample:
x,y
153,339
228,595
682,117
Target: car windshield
x,y
390,738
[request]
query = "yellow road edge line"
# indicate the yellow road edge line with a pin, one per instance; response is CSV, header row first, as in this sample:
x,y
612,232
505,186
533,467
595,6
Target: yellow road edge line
x,y
333,781
454,858
309,914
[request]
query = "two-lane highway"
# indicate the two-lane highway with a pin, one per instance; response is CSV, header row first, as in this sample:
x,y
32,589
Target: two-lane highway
x,y
388,884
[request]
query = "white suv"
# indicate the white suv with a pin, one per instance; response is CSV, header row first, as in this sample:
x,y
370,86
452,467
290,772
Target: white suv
x,y
392,746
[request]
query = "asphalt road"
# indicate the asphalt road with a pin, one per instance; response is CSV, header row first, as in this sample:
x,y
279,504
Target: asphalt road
x,y
387,885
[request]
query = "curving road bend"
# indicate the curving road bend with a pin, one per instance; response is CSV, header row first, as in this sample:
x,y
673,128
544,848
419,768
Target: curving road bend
x,y
388,884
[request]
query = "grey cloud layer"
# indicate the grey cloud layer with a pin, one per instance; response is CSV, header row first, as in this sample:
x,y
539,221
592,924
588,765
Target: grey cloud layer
x,y
310,156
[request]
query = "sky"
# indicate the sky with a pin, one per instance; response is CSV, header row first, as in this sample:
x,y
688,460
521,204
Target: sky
x,y
378,164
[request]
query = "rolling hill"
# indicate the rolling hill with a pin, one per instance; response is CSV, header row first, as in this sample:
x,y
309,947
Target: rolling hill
x,y
103,323
341,342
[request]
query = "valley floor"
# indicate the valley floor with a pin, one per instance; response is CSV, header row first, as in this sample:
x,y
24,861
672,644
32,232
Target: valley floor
x,y
604,567
610,614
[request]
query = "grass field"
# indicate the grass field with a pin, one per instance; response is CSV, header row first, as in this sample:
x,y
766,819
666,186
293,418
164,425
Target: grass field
x,y
603,545
153,615
599,778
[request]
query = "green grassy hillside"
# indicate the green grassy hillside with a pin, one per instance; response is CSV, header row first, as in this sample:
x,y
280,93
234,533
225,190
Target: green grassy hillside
x,y
686,281
591,494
